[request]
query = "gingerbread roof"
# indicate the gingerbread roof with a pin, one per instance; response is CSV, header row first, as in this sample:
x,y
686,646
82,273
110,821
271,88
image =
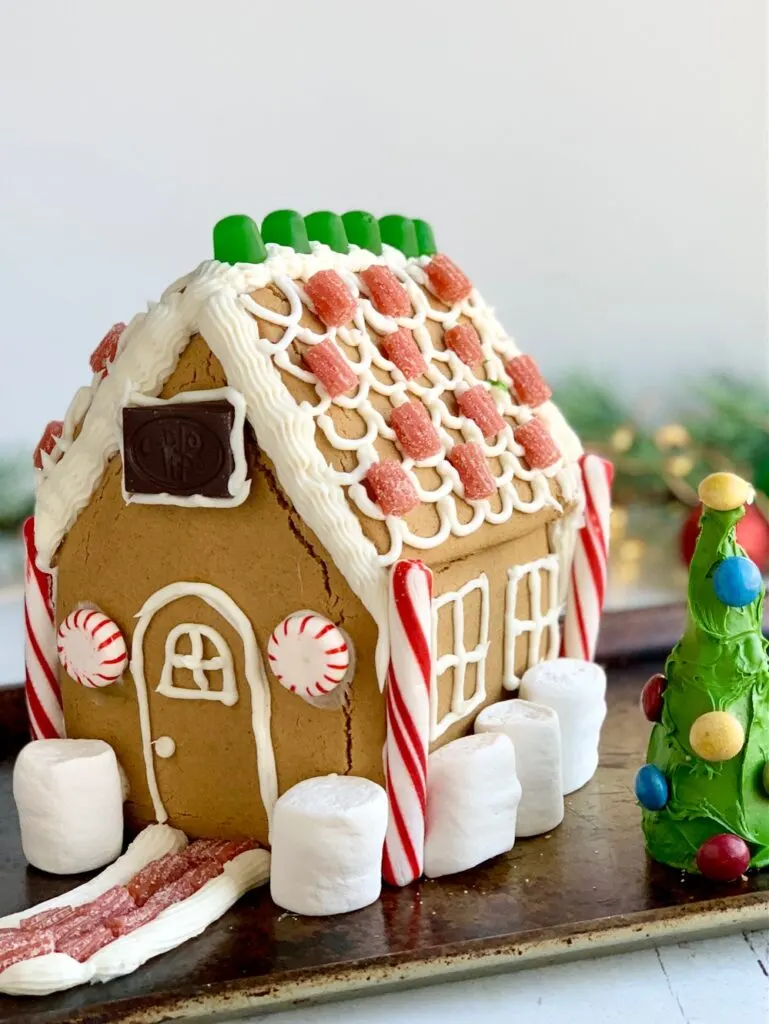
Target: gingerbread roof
x,y
380,384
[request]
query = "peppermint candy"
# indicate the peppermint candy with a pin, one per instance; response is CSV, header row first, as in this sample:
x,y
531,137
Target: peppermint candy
x,y
91,648
309,655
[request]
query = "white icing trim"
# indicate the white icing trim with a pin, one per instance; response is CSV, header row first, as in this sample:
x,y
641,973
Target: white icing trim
x,y
57,972
238,485
198,665
538,623
255,676
152,842
460,658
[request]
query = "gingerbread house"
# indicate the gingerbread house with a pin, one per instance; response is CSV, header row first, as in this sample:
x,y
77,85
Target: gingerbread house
x,y
326,397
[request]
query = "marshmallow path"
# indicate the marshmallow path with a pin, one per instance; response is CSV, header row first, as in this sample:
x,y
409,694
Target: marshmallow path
x,y
57,972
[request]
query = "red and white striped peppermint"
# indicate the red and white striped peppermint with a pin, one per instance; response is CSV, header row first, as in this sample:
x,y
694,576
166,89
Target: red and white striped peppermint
x,y
587,584
41,686
309,655
407,696
92,648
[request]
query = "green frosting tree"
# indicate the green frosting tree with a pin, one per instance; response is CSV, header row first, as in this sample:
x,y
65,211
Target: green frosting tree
x,y
704,787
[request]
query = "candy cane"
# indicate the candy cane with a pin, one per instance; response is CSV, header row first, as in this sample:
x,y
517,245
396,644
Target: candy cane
x,y
587,585
41,687
408,719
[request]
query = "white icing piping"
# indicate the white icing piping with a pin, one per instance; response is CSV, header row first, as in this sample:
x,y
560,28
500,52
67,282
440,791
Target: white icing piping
x,y
238,485
538,623
57,972
195,663
460,658
255,676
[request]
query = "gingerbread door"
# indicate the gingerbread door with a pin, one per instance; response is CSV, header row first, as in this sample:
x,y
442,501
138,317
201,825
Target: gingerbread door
x,y
204,712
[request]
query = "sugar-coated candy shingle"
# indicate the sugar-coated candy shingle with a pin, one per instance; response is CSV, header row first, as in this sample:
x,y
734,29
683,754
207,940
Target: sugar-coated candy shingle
x,y
415,431
106,350
386,292
538,446
478,405
198,875
47,443
116,900
28,946
529,385
232,848
470,462
331,298
463,340
204,849
84,944
401,349
155,875
390,488
447,280
331,368
46,918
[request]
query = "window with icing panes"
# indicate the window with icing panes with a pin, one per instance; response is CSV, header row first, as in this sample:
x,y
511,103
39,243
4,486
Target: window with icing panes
x,y
532,610
459,685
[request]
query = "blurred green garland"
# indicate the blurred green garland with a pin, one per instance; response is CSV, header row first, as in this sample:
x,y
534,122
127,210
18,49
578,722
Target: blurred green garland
x,y
724,426
17,494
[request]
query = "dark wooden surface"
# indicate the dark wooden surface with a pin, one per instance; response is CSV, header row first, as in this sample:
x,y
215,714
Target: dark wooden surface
x,y
584,889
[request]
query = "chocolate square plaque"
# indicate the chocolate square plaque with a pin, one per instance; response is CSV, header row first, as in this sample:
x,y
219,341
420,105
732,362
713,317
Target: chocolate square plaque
x,y
179,448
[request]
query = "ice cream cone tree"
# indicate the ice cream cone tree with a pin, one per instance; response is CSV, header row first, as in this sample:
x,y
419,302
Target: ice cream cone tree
x,y
703,790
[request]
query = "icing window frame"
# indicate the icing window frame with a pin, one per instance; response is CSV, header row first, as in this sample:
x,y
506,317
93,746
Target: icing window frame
x,y
535,627
238,482
459,657
198,665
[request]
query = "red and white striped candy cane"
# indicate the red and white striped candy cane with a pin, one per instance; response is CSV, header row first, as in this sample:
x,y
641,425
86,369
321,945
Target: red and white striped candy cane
x,y
408,719
587,585
43,695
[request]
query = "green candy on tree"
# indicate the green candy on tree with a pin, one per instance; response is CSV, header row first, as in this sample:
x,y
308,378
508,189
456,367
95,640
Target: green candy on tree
x,y
237,240
363,230
286,227
327,228
399,232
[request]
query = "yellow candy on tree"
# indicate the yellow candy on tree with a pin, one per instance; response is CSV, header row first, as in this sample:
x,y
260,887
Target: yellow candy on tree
x,y
716,736
725,491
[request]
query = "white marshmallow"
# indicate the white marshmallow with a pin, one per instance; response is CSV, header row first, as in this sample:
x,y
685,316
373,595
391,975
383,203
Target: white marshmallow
x,y
473,794
576,691
69,796
327,837
536,738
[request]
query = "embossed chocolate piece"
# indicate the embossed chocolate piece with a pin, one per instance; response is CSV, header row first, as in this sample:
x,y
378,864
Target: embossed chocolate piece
x,y
179,448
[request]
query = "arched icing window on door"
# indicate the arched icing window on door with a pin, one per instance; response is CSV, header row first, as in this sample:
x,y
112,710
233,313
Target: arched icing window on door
x,y
198,665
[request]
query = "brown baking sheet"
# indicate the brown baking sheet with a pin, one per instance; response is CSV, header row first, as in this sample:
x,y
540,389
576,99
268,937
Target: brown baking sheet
x,y
584,890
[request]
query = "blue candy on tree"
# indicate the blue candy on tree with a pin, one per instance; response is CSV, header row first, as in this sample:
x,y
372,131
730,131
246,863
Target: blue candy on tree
x,y
651,788
737,581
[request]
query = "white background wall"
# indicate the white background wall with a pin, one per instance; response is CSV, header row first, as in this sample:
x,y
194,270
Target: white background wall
x,y
599,166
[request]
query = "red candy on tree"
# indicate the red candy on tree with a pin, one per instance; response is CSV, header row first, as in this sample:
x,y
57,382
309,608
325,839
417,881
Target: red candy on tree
x,y
331,298
528,383
470,462
387,294
106,350
331,368
463,340
447,280
538,446
47,443
415,431
401,349
723,858
651,697
390,488
752,535
477,404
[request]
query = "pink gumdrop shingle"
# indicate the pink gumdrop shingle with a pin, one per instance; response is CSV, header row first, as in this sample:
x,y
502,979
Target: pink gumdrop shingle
x,y
401,349
415,431
386,292
539,448
469,461
331,298
106,350
447,280
529,385
47,442
390,488
478,405
331,368
463,340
